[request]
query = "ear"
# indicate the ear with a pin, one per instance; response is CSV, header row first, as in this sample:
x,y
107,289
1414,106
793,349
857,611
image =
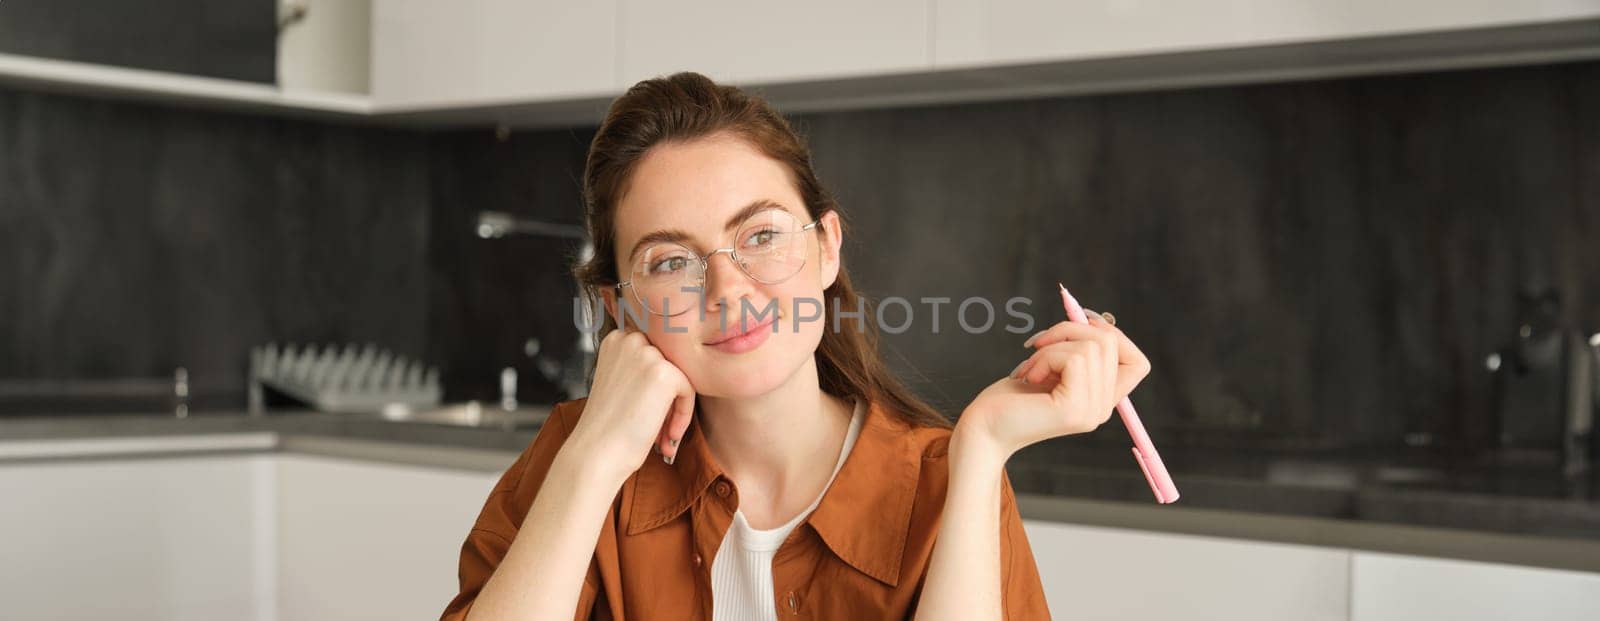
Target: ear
x,y
608,297
830,242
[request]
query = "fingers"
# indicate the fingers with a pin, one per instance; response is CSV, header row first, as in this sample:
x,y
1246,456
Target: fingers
x,y
1091,359
1132,363
1128,354
662,444
678,414
676,425
1066,332
1086,369
640,368
1095,330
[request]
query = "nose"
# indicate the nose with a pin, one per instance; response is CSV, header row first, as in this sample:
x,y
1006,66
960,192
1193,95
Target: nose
x,y
724,281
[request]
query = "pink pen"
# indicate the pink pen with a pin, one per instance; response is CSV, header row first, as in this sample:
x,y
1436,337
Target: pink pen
x,y
1143,451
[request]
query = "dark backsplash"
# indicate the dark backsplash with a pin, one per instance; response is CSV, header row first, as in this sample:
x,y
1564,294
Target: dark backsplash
x,y
140,238
1307,264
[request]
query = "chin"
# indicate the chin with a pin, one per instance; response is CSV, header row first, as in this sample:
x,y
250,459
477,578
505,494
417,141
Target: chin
x,y
741,377
757,372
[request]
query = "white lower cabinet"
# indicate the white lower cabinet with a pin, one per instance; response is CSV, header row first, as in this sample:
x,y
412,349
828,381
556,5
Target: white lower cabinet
x,y
291,537
362,540
1092,572
1391,587
147,539
260,537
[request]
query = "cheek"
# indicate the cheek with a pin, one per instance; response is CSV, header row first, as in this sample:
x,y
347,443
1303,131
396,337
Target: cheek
x,y
800,331
678,345
805,317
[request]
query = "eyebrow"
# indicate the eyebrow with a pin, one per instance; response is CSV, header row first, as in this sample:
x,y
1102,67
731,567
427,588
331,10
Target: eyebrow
x,y
678,235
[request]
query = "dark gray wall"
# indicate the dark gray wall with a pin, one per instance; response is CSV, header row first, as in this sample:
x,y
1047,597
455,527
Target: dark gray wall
x,y
1309,264
1314,264
488,297
1321,262
138,238
235,39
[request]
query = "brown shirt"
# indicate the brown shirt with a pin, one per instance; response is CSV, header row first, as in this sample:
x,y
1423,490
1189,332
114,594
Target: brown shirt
x,y
861,554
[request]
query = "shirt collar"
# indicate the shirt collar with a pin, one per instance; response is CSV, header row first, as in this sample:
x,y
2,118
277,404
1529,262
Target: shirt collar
x,y
863,517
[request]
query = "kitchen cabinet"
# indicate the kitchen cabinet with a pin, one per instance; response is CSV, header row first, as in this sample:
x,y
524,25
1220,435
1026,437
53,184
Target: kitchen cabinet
x,y
228,39
325,46
368,540
1392,587
766,41
546,63
138,539
970,33
430,54
223,54
1092,572
226,527
1097,572
260,536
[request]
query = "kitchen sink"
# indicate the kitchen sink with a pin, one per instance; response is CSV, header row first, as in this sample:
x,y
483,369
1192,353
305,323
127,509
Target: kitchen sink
x,y
471,414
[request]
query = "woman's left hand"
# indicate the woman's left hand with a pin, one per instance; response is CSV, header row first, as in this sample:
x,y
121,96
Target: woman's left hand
x,y
1070,384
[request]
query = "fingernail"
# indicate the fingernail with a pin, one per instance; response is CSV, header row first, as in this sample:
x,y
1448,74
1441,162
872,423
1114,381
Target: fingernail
x,y
1111,319
667,458
1018,368
1031,339
673,443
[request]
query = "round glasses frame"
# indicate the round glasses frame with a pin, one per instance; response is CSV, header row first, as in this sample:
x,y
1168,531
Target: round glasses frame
x,y
705,267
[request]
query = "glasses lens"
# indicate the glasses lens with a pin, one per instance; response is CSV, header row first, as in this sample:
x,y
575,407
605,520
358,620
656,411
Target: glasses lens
x,y
661,273
770,246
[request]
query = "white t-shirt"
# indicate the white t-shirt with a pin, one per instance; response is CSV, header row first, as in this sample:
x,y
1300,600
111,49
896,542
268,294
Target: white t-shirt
x,y
741,572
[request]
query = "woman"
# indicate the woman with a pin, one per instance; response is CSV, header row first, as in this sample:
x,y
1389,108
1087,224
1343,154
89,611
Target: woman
x,y
796,476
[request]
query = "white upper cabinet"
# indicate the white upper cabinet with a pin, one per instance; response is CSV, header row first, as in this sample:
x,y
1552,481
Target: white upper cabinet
x,y
560,63
432,54
325,46
764,41
971,33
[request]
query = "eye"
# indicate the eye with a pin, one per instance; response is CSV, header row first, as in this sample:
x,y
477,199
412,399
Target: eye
x,y
761,239
668,266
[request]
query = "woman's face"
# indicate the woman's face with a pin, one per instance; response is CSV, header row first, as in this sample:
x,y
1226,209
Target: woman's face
x,y
698,188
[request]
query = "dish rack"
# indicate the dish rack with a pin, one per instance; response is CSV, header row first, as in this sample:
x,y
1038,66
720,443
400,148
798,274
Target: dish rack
x,y
341,379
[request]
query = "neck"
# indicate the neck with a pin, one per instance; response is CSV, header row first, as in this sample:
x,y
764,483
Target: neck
x,y
780,447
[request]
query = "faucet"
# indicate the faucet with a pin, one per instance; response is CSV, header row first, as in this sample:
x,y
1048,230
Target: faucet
x,y
180,392
571,373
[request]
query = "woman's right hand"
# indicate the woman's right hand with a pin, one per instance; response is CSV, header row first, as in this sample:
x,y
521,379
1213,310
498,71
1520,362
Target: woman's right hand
x,y
639,401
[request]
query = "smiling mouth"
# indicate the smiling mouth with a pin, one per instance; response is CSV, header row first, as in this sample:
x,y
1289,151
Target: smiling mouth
x,y
760,326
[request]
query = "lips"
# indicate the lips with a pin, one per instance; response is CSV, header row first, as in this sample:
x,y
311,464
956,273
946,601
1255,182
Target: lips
x,y
734,331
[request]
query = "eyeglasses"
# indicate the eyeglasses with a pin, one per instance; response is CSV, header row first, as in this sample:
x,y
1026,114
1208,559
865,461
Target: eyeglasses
x,y
668,278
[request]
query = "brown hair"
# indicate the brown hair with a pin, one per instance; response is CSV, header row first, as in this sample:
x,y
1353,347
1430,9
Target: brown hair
x,y
685,106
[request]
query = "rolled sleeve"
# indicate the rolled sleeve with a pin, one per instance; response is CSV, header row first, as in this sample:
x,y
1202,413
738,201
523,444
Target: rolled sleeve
x,y
491,535
1022,591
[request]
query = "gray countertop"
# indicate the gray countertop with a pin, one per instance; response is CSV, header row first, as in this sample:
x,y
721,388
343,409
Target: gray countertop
x,y
1469,509
290,422
1445,508
1376,486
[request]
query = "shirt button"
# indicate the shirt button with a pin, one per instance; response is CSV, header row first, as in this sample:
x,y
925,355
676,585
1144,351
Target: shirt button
x,y
723,489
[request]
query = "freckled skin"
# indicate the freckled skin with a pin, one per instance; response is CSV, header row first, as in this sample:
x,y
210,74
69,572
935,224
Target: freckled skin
x,y
696,187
